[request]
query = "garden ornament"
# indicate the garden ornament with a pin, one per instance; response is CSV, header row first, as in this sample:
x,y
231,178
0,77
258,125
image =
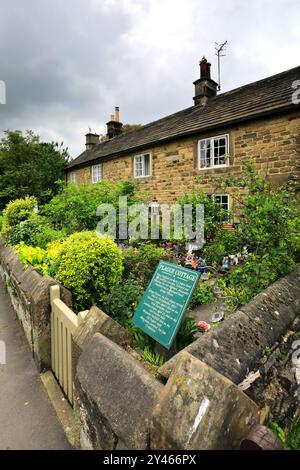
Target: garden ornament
x,y
225,263
217,316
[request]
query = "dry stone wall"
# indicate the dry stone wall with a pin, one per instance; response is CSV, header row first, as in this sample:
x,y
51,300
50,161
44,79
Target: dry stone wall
x,y
30,297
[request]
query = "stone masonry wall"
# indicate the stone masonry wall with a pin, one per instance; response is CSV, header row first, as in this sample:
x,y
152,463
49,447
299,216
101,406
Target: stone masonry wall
x,y
121,405
273,144
30,297
236,346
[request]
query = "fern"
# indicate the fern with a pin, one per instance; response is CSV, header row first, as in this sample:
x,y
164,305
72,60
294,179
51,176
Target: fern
x,y
152,357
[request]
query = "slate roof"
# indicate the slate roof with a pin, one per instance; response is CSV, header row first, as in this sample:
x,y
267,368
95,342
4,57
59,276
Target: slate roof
x,y
264,97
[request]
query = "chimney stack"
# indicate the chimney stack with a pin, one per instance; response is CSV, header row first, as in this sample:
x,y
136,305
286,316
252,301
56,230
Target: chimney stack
x,y
117,114
114,126
91,140
204,68
205,87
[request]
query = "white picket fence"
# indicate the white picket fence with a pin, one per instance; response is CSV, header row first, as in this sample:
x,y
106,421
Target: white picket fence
x,y
63,325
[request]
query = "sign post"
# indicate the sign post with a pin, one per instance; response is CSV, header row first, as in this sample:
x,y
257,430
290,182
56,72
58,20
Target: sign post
x,y
164,302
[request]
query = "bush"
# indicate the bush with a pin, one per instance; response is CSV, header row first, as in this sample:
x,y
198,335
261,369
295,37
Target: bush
x,y
142,262
123,300
270,220
202,294
23,231
18,211
15,215
186,333
225,243
89,266
35,256
47,235
35,231
214,213
74,208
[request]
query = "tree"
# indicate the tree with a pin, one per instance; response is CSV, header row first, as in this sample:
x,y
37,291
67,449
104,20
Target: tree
x,y
29,167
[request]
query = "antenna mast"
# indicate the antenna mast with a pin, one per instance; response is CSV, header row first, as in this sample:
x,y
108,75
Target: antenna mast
x,y
220,52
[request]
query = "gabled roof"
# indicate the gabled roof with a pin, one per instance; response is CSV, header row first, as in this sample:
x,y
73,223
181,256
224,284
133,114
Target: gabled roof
x,y
264,97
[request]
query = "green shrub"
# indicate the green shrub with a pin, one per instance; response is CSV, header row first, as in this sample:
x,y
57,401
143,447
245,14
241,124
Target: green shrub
x,y
18,211
224,243
214,213
35,256
35,231
123,300
186,333
202,294
141,262
89,266
47,235
270,220
140,339
23,231
75,207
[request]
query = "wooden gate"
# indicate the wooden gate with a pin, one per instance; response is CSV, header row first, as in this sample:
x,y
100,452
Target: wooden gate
x,y
63,324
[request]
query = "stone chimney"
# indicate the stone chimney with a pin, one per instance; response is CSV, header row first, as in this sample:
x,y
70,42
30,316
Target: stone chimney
x,y
205,87
114,126
91,140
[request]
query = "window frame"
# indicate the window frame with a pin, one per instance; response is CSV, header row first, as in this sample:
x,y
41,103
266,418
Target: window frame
x,y
150,165
73,177
212,163
221,203
99,167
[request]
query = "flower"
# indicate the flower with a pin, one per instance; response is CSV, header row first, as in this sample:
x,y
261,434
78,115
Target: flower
x,y
203,326
194,264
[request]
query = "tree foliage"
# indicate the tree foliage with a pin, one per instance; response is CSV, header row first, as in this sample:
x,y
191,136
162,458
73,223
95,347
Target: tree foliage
x,y
269,227
29,167
75,207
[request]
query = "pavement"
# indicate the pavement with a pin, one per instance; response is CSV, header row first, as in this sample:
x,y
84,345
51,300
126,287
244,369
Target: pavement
x,y
27,419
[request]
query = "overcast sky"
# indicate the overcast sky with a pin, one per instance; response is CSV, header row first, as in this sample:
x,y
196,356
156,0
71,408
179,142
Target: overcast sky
x,y
66,64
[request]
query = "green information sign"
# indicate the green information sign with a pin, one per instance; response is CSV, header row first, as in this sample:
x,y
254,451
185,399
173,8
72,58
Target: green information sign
x,y
164,302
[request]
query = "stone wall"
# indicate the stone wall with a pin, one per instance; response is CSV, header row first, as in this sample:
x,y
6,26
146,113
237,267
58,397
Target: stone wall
x,y
236,345
30,297
195,403
120,402
272,143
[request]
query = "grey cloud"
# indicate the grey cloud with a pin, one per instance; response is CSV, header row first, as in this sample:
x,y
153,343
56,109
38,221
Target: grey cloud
x,y
66,64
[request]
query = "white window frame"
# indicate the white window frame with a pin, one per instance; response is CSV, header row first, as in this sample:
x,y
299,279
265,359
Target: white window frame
x,y
221,203
212,140
96,173
73,177
142,162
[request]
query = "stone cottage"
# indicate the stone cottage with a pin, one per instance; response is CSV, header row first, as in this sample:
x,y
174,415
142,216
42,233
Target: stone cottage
x,y
216,136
